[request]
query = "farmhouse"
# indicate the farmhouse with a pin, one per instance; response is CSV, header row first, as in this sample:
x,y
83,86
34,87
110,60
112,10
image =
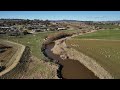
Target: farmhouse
x,y
41,29
3,30
37,28
14,32
61,28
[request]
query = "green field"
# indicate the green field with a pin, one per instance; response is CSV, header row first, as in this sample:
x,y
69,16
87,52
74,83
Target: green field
x,y
106,50
103,34
107,26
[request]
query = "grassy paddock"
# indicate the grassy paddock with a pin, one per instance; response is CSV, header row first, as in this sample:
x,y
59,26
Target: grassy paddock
x,y
106,53
103,34
106,50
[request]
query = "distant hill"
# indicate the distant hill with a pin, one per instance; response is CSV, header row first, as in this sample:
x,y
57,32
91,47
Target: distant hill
x,y
64,20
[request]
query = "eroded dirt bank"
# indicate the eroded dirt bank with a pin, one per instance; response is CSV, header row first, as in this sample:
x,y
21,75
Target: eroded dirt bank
x,y
69,69
65,52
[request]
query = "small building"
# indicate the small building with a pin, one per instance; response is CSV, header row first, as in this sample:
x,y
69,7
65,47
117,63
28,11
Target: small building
x,y
40,29
61,28
14,32
5,28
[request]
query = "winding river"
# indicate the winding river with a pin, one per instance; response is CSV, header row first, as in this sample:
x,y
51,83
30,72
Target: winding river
x,y
72,69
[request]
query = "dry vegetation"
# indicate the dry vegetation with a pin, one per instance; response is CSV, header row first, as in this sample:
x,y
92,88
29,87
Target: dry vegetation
x,y
29,67
33,68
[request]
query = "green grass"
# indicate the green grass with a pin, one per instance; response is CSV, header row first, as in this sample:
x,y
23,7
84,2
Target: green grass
x,y
103,34
34,41
107,26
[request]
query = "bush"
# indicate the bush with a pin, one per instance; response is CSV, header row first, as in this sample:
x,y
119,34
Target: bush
x,y
25,32
52,38
58,36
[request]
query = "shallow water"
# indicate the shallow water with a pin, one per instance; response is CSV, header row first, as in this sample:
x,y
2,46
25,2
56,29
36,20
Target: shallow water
x,y
72,69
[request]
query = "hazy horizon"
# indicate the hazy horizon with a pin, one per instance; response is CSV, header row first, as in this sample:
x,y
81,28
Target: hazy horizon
x,y
62,15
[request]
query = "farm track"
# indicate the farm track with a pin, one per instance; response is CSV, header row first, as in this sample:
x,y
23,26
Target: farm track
x,y
14,56
7,55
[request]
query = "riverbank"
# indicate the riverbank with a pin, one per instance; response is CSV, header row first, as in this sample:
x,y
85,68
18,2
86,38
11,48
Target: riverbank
x,y
60,53
64,51
69,69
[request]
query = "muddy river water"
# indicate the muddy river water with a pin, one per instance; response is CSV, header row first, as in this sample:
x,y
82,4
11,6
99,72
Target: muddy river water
x,y
72,69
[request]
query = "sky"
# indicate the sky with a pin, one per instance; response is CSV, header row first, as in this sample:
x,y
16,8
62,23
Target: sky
x,y
63,15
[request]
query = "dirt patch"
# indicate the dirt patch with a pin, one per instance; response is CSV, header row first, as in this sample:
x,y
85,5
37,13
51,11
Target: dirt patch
x,y
39,69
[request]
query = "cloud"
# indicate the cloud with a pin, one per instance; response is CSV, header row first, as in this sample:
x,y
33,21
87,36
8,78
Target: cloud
x,y
97,17
100,17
